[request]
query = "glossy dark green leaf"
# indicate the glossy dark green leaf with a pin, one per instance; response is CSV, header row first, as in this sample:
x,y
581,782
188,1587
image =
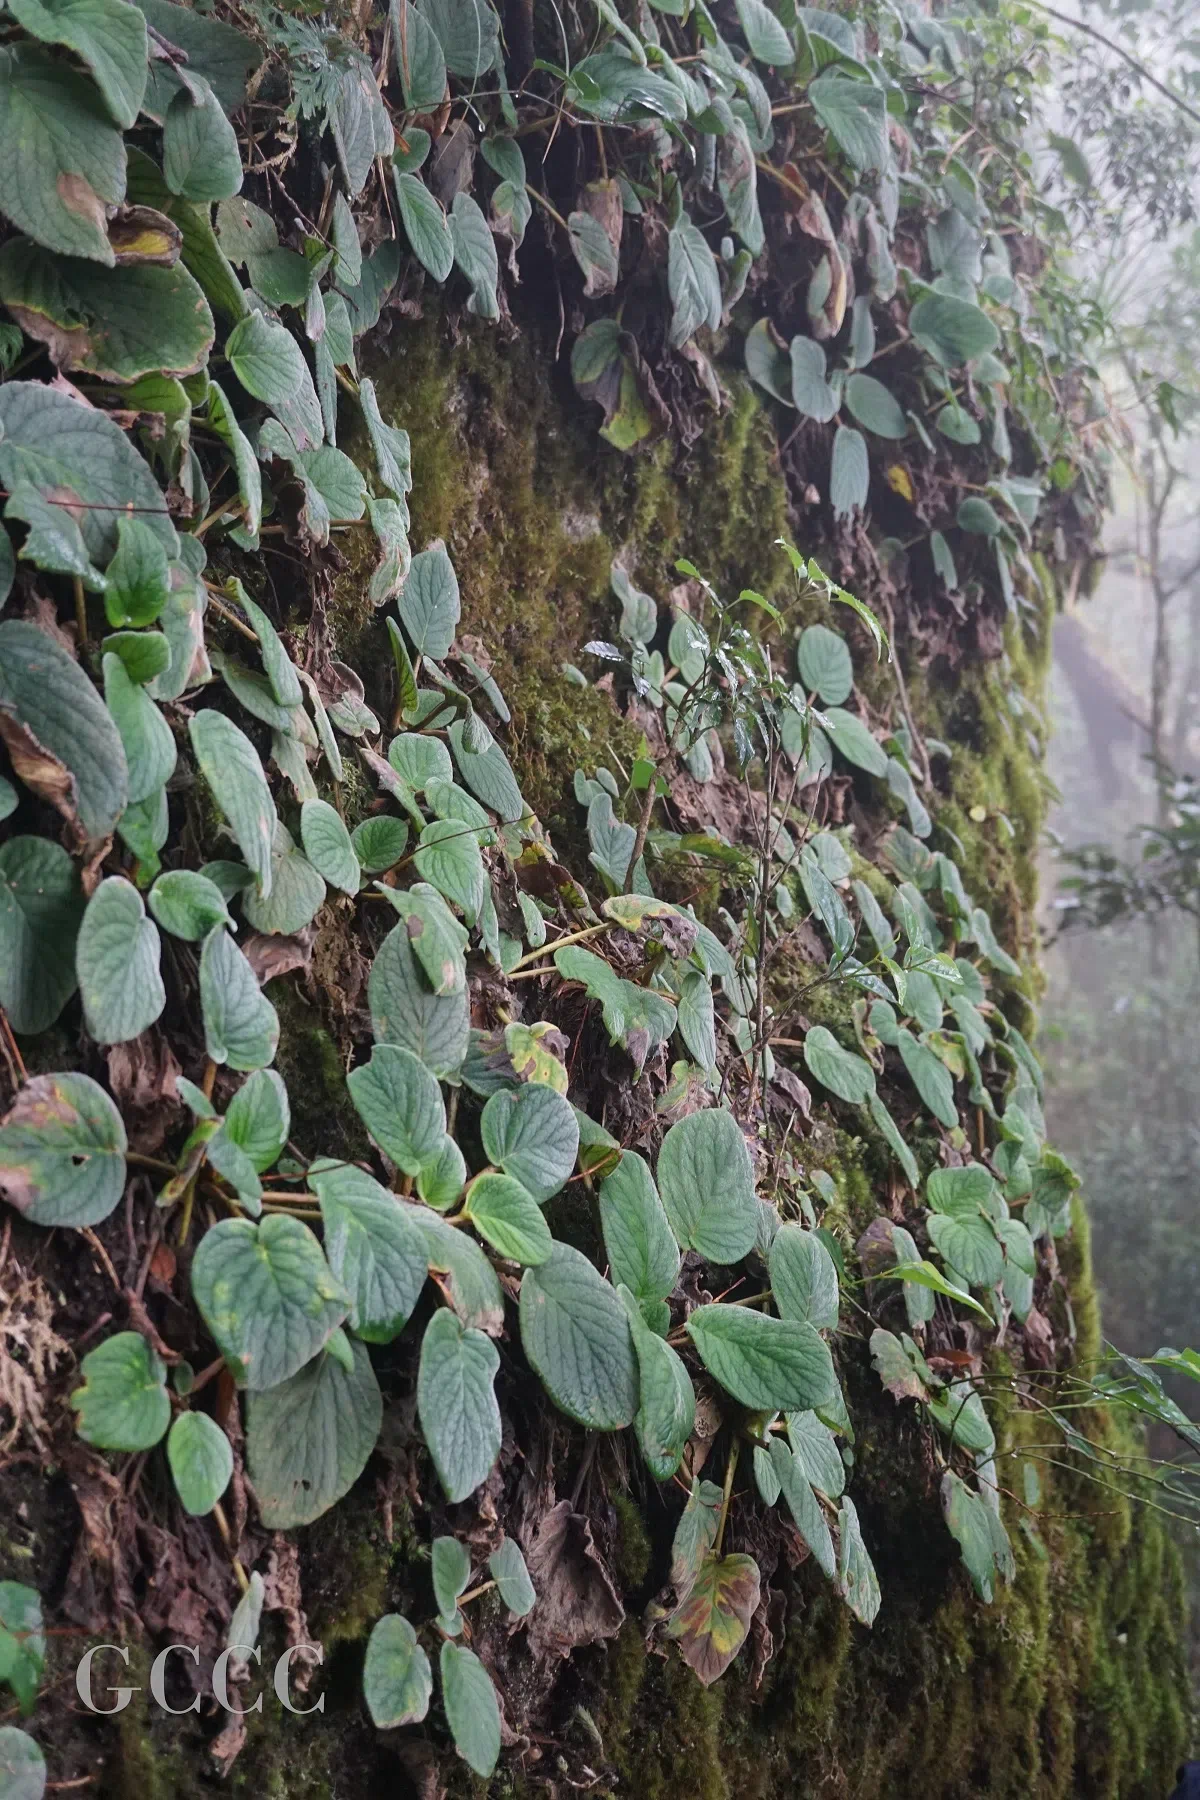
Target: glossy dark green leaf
x,y
201,159
61,738
117,324
41,904
65,157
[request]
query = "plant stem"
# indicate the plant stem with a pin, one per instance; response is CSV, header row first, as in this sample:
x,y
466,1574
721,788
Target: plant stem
x,y
81,614
574,937
727,1494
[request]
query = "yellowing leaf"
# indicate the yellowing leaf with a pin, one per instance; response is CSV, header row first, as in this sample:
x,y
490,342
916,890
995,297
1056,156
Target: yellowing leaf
x,y
900,481
711,1624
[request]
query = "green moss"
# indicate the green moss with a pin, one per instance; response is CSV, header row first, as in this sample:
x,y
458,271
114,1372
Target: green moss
x,y
314,1069
1070,1683
634,1549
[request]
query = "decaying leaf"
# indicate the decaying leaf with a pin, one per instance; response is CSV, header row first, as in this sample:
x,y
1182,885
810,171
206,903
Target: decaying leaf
x,y
577,1602
711,1624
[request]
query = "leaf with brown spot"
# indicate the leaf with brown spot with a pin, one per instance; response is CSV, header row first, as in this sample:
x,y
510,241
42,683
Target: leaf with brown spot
x,y
142,234
33,764
895,1368
710,1626
119,324
62,1151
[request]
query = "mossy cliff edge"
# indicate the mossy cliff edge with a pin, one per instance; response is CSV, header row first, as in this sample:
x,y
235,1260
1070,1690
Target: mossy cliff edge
x,y
1071,1684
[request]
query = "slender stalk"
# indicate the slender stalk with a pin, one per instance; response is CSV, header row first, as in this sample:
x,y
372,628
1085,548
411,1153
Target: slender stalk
x,y
81,613
727,1494
574,937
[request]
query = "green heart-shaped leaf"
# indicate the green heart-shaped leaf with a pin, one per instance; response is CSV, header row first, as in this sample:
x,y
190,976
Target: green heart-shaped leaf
x,y
60,735
463,1272
241,1027
201,1461
511,1576
374,1248
804,1280
41,904
328,847
22,1765
642,1253
268,1296
848,1076
531,1134
401,1105
459,1415
308,1439
231,766
472,1710
507,1215
397,1678
62,1151
123,1403
706,1180
117,961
